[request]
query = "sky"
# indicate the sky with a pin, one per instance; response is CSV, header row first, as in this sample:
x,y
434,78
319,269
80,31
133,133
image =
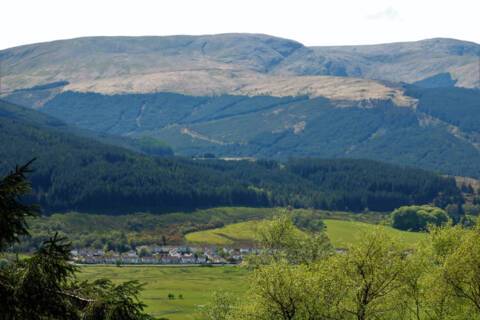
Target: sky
x,y
311,22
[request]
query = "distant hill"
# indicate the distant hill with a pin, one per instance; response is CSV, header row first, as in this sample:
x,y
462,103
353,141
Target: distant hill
x,y
82,174
251,95
230,64
140,144
408,61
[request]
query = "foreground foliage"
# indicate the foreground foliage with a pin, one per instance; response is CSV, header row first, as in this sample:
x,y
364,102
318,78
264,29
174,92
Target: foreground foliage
x,y
44,286
375,278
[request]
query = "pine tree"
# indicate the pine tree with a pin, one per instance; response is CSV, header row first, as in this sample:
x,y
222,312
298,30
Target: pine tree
x,y
44,286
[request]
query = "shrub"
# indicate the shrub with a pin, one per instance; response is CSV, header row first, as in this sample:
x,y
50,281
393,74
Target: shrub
x,y
417,218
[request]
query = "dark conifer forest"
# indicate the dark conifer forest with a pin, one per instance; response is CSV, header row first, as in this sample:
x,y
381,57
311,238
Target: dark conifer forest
x,y
79,173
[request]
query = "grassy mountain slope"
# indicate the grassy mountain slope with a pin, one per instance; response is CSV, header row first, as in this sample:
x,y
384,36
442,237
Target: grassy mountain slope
x,y
408,61
231,64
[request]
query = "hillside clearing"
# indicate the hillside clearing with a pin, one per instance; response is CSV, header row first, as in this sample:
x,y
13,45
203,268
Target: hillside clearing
x,y
341,233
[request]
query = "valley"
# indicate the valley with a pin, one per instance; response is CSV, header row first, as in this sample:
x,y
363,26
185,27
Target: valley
x,y
239,176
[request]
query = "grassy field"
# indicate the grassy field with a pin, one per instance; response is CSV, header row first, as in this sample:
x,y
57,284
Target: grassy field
x,y
228,235
341,233
196,284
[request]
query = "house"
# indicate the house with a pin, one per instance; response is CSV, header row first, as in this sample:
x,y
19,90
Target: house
x,y
130,257
169,259
202,259
149,260
188,259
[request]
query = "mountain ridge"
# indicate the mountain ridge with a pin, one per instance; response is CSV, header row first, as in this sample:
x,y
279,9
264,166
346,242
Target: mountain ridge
x,y
249,64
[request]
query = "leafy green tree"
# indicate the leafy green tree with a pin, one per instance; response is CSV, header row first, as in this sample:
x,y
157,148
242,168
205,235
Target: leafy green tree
x,y
279,239
220,307
365,282
461,270
440,301
279,291
371,272
418,218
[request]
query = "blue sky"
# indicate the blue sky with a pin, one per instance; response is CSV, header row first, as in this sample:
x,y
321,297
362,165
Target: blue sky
x,y
312,22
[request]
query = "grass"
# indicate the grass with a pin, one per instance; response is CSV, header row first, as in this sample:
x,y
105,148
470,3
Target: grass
x,y
196,284
228,235
341,233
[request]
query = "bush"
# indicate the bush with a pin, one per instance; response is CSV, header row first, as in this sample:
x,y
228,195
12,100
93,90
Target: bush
x,y
417,218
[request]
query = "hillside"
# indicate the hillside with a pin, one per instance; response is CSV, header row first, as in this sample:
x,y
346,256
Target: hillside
x,y
408,61
342,233
246,64
250,95
78,173
440,134
140,144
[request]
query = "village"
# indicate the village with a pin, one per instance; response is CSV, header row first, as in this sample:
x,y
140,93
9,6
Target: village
x,y
163,255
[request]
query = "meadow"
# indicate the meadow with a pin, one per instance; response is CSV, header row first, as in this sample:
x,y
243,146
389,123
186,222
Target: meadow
x,y
341,232
195,284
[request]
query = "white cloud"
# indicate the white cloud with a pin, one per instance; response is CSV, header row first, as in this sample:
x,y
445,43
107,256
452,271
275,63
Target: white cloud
x,y
389,14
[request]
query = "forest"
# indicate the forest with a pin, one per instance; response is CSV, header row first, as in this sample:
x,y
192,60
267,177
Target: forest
x,y
80,174
282,127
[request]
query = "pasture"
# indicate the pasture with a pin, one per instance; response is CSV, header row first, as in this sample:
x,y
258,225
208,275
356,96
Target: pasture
x,y
341,233
195,284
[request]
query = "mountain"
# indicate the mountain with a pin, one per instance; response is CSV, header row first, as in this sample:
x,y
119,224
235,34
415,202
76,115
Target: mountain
x,y
249,95
408,61
78,173
440,133
229,63
140,144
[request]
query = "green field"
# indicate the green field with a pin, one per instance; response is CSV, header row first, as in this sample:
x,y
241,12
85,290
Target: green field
x,y
341,233
196,284
228,235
